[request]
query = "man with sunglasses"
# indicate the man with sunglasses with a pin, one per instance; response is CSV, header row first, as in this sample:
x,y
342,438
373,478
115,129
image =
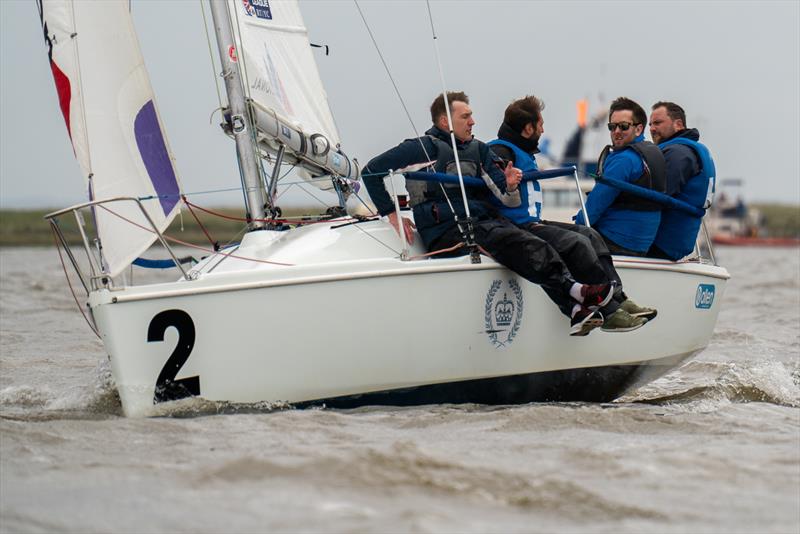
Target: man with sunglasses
x,y
628,223
582,249
690,178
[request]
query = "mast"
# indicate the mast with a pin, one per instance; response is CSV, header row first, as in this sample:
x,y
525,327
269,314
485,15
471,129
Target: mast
x,y
240,119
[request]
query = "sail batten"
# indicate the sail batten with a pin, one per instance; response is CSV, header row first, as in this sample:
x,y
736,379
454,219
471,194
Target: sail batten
x,y
108,105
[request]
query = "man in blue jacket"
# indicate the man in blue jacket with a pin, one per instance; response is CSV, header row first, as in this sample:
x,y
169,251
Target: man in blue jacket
x,y
582,248
689,177
628,223
434,207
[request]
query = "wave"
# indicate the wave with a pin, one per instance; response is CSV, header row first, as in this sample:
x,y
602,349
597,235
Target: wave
x,y
771,382
99,399
403,466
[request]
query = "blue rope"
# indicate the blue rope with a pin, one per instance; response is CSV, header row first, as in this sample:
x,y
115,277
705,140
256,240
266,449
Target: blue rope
x,y
472,181
655,196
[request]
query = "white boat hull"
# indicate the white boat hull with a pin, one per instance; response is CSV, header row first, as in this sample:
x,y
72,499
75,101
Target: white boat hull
x,y
345,329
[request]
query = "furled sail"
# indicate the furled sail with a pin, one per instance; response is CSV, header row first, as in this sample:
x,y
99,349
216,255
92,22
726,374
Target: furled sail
x,y
108,105
289,104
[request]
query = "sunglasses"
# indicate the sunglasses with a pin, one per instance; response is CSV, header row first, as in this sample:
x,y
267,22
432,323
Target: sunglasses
x,y
623,126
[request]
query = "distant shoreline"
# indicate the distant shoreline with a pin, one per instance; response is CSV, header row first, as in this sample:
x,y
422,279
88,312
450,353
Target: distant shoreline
x,y
27,227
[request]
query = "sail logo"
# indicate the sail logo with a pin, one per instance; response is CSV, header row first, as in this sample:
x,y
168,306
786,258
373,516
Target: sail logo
x,y
258,8
503,312
704,297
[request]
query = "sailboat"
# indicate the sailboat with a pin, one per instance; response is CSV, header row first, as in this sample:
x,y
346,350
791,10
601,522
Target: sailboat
x,y
341,312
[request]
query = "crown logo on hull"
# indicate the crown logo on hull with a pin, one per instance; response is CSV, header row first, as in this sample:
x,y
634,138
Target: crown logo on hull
x,y
504,311
503,315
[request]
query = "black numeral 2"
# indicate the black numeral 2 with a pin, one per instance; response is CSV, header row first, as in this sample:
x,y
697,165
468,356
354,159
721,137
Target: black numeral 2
x,y
167,388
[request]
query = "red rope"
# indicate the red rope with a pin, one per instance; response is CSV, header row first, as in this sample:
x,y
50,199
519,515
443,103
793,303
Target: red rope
x,y
279,221
203,228
69,283
190,245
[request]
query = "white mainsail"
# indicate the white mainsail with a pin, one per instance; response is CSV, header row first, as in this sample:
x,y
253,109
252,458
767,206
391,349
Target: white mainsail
x,y
108,105
288,100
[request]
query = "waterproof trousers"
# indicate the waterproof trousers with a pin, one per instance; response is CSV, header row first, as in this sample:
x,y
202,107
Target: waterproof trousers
x,y
522,252
584,251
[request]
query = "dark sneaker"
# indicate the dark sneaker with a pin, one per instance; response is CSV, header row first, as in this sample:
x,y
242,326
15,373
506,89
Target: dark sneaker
x,y
597,295
638,311
584,321
622,321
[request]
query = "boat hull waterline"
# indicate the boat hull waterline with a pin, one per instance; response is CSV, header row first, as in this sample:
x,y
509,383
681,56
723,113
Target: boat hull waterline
x,y
346,329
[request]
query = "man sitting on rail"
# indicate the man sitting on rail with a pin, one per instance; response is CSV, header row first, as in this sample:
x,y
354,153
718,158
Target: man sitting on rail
x,y
689,177
628,223
582,248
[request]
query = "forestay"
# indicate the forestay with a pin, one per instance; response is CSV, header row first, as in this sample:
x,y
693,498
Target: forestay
x,y
282,79
108,105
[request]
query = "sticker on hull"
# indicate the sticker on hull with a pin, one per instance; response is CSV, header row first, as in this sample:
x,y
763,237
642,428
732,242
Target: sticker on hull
x,y
503,311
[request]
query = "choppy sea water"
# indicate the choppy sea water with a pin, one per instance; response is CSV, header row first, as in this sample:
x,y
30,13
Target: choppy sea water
x,y
712,447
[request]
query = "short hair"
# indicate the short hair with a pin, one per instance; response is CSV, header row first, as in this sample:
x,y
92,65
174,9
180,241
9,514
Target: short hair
x,y
437,108
623,103
674,111
523,111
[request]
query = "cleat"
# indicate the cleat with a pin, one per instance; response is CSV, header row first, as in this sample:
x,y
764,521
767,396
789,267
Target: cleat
x,y
638,311
622,321
584,321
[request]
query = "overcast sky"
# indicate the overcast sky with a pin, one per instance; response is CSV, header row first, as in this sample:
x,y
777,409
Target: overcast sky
x,y
734,66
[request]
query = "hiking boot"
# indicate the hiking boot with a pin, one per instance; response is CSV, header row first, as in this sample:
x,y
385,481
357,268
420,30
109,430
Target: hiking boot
x,y
638,311
597,295
622,321
584,321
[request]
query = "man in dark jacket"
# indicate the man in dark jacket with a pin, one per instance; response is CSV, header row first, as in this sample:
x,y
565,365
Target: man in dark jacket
x,y
689,177
628,223
582,248
516,249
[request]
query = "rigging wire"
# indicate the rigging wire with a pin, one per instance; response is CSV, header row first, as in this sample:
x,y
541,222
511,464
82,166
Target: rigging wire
x,y
447,111
69,283
389,74
405,108
211,55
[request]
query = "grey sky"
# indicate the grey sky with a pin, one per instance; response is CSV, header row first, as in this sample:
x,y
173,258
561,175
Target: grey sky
x,y
734,66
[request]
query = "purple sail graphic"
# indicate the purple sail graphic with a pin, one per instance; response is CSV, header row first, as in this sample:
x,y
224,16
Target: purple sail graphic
x,y
155,156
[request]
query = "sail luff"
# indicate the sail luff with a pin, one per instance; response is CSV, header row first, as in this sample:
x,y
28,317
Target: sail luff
x,y
241,125
288,102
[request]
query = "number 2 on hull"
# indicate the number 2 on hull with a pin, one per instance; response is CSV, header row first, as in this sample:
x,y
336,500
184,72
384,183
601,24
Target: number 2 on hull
x,y
167,387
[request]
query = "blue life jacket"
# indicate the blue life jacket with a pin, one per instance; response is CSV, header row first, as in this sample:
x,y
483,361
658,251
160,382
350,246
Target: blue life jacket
x,y
678,230
654,176
530,192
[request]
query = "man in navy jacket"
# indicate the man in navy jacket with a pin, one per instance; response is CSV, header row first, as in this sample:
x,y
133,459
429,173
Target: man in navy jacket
x,y
689,177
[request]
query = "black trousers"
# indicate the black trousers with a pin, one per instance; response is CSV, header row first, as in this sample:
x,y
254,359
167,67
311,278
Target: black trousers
x,y
552,255
522,252
588,257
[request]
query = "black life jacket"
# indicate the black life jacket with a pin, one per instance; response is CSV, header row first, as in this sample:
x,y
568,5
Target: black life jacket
x,y
469,159
654,176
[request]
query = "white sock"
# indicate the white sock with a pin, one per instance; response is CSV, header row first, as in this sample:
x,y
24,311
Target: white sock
x,y
575,292
576,309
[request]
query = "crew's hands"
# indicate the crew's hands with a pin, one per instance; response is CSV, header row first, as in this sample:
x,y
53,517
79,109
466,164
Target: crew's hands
x,y
408,227
513,177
